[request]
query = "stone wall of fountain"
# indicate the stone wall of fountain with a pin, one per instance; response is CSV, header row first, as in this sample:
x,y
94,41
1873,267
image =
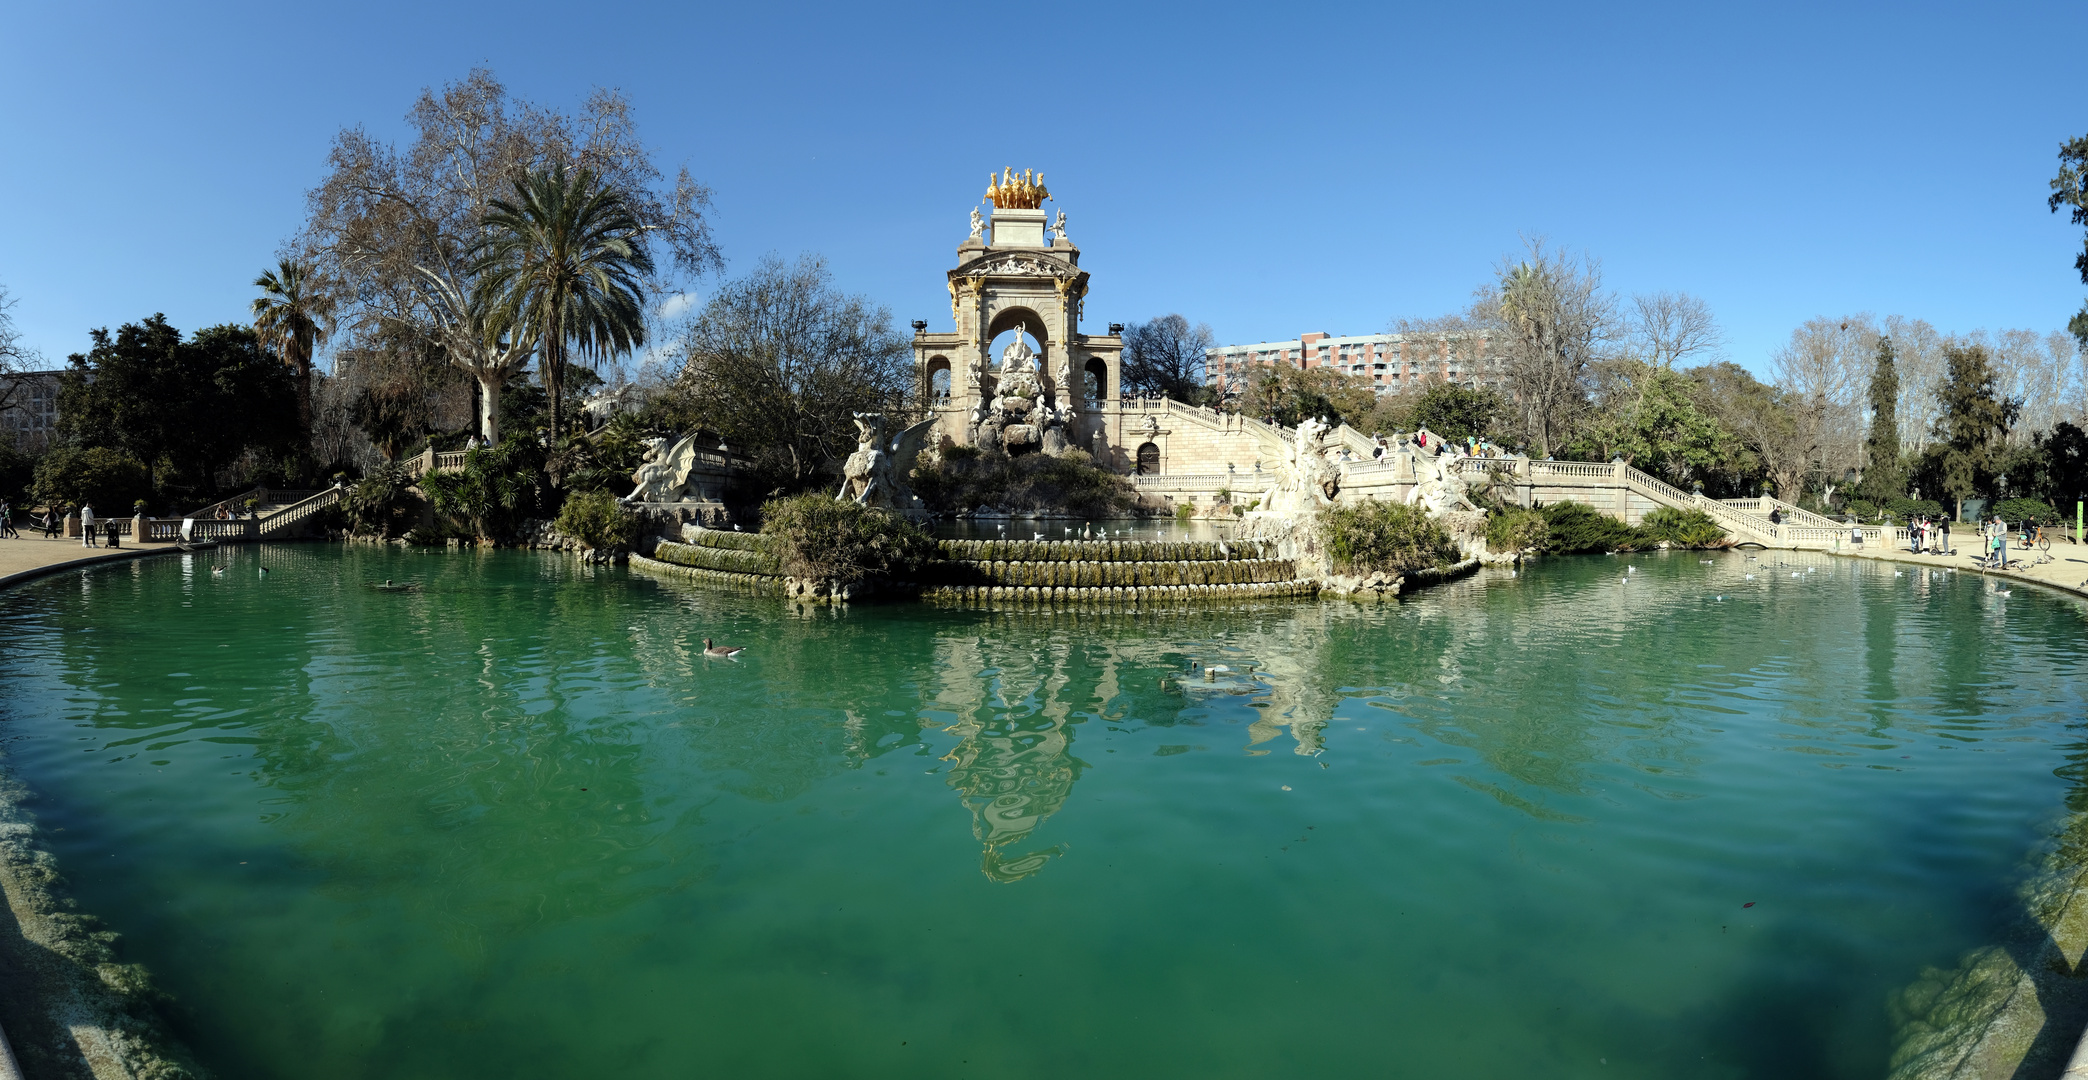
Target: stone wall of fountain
x,y
1108,571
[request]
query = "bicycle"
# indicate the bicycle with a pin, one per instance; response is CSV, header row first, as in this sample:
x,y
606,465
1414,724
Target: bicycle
x,y
2041,543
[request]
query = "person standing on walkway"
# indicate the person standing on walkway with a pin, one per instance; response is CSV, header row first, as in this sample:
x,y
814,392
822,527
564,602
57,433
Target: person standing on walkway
x,y
86,525
1944,525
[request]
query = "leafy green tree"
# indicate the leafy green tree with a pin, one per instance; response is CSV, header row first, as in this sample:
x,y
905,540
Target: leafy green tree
x,y
2070,189
1287,395
108,479
1883,477
1663,430
1975,419
292,318
566,260
1457,412
2053,467
186,409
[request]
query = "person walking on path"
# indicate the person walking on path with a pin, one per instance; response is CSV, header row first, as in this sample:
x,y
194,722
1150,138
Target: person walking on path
x,y
50,523
7,527
86,525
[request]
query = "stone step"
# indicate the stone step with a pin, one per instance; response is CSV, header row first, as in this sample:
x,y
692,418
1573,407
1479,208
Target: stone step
x,y
1000,594
1111,574
1103,550
730,560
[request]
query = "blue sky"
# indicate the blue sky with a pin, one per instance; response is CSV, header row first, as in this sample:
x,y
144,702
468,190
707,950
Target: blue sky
x,y
1266,168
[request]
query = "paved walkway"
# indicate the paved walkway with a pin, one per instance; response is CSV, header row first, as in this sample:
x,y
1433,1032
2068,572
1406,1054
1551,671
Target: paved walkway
x,y
34,555
2067,571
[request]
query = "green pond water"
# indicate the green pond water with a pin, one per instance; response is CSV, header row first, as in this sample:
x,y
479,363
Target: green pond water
x,y
515,824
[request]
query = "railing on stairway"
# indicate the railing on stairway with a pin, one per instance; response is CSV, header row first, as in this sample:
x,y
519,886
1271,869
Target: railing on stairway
x,y
263,495
282,521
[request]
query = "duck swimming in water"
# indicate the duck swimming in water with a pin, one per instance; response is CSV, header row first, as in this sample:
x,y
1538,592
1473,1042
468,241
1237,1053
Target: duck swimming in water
x,y
721,650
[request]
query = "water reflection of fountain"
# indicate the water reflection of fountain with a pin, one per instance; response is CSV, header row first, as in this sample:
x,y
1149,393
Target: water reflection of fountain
x,y
1013,766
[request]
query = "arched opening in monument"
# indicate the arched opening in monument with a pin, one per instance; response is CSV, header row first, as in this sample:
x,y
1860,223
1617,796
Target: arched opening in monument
x,y
1097,389
1003,339
1148,459
939,379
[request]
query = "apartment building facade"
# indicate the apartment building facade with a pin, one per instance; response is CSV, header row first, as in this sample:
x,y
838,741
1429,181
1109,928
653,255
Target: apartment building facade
x,y
29,417
1391,362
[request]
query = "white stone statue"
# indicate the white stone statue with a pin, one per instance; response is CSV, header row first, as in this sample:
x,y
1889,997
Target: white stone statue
x,y
978,224
875,475
1058,226
663,477
1304,480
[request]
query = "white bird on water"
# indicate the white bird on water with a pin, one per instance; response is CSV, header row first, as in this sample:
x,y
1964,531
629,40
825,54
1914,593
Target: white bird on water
x,y
1750,577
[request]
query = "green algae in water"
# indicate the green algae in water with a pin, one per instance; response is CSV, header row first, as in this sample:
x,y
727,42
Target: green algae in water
x,y
516,824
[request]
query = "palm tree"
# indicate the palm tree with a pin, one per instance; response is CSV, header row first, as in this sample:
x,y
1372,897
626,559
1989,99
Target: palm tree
x,y
292,318
564,260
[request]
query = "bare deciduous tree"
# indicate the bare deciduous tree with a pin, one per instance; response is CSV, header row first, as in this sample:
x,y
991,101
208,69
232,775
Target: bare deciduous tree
x,y
1824,371
778,361
1670,327
1165,358
1552,319
1918,354
15,357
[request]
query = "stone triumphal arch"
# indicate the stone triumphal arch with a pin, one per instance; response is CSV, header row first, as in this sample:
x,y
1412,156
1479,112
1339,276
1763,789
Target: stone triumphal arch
x,y
1018,272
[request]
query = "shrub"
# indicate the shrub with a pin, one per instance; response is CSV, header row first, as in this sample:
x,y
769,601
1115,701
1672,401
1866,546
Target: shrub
x,y
380,502
1576,527
68,476
2014,510
1683,529
1862,509
1513,529
494,491
1379,535
1032,482
821,538
596,519
1903,510
1184,511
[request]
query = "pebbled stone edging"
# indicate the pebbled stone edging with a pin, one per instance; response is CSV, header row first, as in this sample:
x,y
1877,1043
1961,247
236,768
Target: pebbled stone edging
x,y
71,1007
1134,594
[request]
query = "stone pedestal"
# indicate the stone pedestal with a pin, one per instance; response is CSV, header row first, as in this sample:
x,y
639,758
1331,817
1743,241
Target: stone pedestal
x,y
1018,228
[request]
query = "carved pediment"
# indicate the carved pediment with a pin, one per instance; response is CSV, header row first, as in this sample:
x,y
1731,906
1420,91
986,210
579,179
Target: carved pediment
x,y
1018,266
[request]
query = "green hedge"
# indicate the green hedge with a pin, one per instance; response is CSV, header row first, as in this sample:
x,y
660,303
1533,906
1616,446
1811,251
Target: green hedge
x,y
2015,510
1577,528
1380,535
821,538
1683,529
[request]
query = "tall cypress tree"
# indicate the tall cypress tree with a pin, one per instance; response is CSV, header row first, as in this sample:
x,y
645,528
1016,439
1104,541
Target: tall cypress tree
x,y
1975,417
1884,478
